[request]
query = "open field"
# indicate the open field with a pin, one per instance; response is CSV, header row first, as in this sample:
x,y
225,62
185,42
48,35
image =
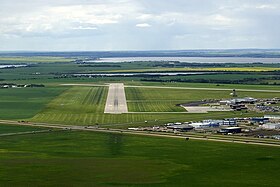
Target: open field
x,y
16,128
34,59
84,105
84,156
175,85
165,100
21,103
105,159
51,70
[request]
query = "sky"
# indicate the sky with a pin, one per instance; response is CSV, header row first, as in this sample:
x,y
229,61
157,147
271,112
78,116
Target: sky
x,y
98,25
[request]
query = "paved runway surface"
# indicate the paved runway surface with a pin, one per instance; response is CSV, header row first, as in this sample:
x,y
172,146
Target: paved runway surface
x,y
116,101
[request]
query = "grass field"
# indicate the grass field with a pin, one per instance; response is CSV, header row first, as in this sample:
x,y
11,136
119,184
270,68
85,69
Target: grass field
x,y
16,128
72,158
21,103
97,159
165,100
205,85
85,106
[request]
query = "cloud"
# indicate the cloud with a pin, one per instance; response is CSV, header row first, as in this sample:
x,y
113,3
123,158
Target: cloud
x,y
143,25
266,6
176,24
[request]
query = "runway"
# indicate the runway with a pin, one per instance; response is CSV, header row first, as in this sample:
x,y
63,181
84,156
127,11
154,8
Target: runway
x,y
116,100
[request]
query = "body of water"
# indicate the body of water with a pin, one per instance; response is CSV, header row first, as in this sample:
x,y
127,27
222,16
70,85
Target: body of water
x,y
11,66
141,74
193,59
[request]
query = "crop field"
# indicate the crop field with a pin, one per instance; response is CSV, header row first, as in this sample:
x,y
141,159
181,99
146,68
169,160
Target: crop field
x,y
37,59
68,158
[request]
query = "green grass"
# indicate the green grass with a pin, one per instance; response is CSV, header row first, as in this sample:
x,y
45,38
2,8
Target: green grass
x,y
97,159
79,105
21,103
165,100
204,85
85,106
18,104
16,128
152,100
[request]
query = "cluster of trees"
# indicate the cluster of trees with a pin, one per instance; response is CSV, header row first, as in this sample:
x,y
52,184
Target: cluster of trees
x,y
217,81
101,66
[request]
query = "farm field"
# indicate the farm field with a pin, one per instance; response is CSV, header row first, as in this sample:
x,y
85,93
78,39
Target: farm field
x,y
68,158
37,59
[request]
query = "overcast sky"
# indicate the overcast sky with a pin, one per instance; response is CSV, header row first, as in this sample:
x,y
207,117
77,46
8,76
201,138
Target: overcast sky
x,y
63,25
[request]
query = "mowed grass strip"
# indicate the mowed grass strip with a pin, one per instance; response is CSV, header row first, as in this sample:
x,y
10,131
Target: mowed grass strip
x,y
167,100
76,105
154,106
21,103
100,159
85,106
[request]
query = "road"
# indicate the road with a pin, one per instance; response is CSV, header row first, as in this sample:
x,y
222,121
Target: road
x,y
116,100
180,88
238,140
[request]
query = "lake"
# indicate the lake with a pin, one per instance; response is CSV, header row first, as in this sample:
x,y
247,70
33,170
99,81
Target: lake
x,y
193,59
11,66
141,74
